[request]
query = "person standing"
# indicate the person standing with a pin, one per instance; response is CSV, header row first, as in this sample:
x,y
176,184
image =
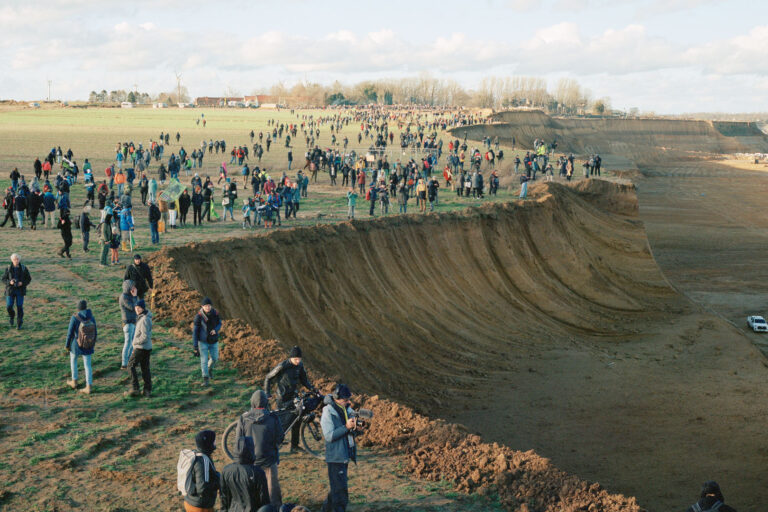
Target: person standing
x,y
206,481
127,302
154,219
105,234
205,338
288,375
65,225
197,206
184,203
265,428
338,424
20,206
351,202
81,338
16,279
141,275
126,227
34,205
144,188
85,227
243,484
142,349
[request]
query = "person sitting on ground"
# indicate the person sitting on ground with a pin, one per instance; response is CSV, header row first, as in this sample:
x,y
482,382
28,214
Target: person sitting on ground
x,y
265,428
243,484
288,375
711,499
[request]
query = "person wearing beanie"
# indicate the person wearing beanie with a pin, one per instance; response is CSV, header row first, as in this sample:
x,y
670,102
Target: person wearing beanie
x,y
205,338
141,275
711,499
289,375
264,427
80,342
142,349
206,481
243,484
338,423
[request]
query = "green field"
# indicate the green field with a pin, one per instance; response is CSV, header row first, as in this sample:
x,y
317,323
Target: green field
x,y
65,451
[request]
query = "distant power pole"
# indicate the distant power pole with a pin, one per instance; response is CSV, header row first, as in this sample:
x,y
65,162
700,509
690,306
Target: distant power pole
x,y
49,89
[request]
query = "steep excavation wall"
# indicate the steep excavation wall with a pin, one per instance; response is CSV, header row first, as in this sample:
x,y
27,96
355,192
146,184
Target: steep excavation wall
x,y
417,305
640,141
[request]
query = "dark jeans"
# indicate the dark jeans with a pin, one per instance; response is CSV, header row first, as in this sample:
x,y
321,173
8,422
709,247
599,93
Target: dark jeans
x,y
155,233
18,298
339,496
183,217
206,211
197,214
140,357
86,238
144,197
295,430
9,215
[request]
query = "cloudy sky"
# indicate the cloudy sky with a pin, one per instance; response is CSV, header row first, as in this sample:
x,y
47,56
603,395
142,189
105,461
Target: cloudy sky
x,y
667,56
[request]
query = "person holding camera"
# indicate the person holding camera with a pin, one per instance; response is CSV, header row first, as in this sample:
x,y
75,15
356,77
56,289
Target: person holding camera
x,y
16,279
205,338
339,424
289,375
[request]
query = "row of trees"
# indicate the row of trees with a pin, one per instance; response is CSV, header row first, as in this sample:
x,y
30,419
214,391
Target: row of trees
x,y
141,98
568,96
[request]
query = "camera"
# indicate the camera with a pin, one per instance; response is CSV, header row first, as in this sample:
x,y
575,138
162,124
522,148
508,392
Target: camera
x,y
362,419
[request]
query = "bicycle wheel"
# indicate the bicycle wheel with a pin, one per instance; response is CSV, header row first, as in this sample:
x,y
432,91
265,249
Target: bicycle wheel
x,y
312,438
229,442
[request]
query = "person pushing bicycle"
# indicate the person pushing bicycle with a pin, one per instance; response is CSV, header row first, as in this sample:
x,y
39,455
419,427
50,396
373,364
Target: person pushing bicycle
x,y
289,375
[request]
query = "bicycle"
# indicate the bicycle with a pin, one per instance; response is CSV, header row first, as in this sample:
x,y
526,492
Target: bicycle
x,y
304,410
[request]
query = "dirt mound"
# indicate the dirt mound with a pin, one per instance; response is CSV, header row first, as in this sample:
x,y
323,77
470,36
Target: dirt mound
x,y
638,142
456,291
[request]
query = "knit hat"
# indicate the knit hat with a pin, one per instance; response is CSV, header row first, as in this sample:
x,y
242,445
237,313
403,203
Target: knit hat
x,y
342,391
206,441
82,305
207,301
295,352
140,303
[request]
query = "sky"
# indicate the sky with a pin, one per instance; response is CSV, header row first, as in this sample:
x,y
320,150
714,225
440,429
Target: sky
x,y
662,56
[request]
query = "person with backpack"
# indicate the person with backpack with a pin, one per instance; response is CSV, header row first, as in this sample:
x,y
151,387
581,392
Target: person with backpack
x,y
205,338
197,479
264,427
338,424
16,279
288,375
243,484
81,339
711,499
141,275
142,350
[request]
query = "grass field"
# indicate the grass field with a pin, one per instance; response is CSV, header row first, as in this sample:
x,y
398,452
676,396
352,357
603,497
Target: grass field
x,y
65,451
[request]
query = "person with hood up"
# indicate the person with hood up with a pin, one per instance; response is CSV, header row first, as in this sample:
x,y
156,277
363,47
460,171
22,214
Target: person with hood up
x,y
127,302
85,317
711,499
264,427
338,424
289,375
243,484
206,481
205,338
142,349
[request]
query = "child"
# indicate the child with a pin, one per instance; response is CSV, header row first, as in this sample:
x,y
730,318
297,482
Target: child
x,y
114,245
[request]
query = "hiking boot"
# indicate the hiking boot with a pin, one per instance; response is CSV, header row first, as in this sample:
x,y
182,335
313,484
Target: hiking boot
x,y
18,327
72,384
148,393
206,382
132,393
86,390
12,320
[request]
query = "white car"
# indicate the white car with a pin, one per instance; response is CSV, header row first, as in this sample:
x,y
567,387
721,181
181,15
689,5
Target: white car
x,y
757,323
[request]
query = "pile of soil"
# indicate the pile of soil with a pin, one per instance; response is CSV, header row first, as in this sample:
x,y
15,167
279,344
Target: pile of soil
x,y
268,289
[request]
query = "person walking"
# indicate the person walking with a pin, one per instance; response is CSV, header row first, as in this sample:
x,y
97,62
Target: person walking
x,y
81,338
127,302
85,227
338,424
142,350
16,278
141,275
154,219
243,484
105,237
65,225
264,427
205,338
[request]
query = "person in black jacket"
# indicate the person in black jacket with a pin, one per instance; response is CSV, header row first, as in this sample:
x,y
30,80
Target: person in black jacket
x,y
289,375
8,205
65,225
141,275
266,430
243,485
205,338
34,205
154,219
144,188
711,499
16,279
20,206
85,227
207,198
197,206
204,490
184,202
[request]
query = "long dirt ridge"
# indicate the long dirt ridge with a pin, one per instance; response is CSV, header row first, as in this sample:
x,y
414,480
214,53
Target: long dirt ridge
x,y
426,311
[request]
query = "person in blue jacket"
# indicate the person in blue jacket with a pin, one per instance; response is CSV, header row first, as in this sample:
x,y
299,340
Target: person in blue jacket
x,y
126,223
83,315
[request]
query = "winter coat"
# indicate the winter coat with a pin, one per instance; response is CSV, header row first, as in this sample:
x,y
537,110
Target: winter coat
x,y
288,377
265,428
203,494
202,327
74,327
184,202
141,276
128,303
126,220
142,337
19,274
154,213
85,223
243,485
337,437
